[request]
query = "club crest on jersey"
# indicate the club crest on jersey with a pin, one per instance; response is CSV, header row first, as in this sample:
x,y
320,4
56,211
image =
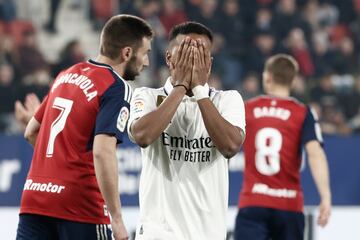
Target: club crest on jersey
x,y
138,106
122,119
159,100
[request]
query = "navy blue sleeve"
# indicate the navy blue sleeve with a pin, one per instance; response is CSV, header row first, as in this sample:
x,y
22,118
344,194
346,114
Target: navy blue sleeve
x,y
114,111
311,128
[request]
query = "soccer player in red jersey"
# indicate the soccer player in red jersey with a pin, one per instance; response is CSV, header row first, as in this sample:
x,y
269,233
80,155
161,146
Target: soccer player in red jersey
x,y
277,128
71,190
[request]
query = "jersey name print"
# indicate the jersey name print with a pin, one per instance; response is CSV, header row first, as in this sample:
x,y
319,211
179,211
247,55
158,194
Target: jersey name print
x,y
277,128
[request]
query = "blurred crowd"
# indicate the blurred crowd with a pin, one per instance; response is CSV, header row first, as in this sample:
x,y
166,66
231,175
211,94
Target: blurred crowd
x,y
322,35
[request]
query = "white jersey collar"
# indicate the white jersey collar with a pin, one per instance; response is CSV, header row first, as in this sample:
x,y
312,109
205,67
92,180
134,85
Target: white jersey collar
x,y
168,87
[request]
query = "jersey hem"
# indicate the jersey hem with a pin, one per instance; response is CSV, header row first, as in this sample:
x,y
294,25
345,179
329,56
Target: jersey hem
x,y
92,220
245,204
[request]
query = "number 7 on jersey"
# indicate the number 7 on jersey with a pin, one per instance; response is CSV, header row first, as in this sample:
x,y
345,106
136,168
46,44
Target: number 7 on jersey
x,y
64,105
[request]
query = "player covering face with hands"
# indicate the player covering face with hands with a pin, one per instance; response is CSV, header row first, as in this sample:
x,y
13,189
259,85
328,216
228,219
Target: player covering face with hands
x,y
187,132
190,62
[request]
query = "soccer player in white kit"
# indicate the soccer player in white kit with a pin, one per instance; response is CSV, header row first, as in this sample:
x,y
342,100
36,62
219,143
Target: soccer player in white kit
x,y
187,132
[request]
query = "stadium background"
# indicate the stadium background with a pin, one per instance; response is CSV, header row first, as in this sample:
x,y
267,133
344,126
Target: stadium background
x,y
323,35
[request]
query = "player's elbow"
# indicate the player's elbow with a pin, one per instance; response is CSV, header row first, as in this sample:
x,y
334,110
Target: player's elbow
x,y
99,154
230,150
143,140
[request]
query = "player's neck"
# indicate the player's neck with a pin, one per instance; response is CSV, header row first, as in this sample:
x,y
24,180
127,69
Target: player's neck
x,y
118,68
279,92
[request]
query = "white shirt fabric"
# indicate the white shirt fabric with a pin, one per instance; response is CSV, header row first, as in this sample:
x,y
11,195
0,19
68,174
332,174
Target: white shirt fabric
x,y
184,179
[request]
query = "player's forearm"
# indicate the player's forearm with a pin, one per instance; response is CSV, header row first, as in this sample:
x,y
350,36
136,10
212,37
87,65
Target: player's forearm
x,y
320,171
149,127
31,131
106,170
32,139
226,137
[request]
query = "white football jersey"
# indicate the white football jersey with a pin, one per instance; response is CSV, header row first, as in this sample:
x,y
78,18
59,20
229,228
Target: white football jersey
x,y
184,178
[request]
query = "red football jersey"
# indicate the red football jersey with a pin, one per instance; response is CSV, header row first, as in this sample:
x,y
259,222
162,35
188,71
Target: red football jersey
x,y
86,99
276,130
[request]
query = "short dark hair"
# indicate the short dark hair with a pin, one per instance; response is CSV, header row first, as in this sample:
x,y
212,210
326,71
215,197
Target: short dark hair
x,y
283,68
190,27
121,31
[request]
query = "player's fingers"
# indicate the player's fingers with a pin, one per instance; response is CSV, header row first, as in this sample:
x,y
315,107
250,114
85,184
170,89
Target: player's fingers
x,y
32,102
324,216
196,57
202,52
180,51
207,57
190,54
20,112
185,51
19,107
322,221
33,98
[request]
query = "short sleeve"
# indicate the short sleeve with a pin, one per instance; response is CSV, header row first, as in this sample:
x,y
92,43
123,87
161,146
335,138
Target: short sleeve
x,y
232,109
141,104
40,112
113,112
311,128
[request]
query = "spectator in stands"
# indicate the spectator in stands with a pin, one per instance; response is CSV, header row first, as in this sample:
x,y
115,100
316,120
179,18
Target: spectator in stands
x,y
33,68
322,54
192,8
233,52
325,89
7,10
333,120
50,26
345,60
288,12
264,20
250,87
351,101
298,89
7,97
172,14
31,60
264,47
71,54
8,51
149,10
298,48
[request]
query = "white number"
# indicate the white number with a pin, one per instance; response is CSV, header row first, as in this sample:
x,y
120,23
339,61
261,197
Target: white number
x,y
268,142
64,105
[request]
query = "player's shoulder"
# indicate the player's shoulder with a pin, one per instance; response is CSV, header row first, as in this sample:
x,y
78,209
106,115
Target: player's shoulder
x,y
267,98
232,94
149,91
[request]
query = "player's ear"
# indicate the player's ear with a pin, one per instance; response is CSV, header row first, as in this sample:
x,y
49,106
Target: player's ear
x,y
126,53
169,60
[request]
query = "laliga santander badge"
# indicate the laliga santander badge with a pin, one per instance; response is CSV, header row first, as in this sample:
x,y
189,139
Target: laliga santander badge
x,y
137,106
123,118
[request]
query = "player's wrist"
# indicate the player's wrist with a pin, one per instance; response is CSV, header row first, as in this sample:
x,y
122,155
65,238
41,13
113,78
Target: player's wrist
x,y
181,85
200,92
116,216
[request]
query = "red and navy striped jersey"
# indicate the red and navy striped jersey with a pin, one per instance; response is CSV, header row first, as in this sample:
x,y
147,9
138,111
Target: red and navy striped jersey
x,y
87,99
276,131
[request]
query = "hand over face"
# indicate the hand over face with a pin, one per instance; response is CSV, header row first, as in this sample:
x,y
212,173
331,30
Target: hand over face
x,y
181,69
202,65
